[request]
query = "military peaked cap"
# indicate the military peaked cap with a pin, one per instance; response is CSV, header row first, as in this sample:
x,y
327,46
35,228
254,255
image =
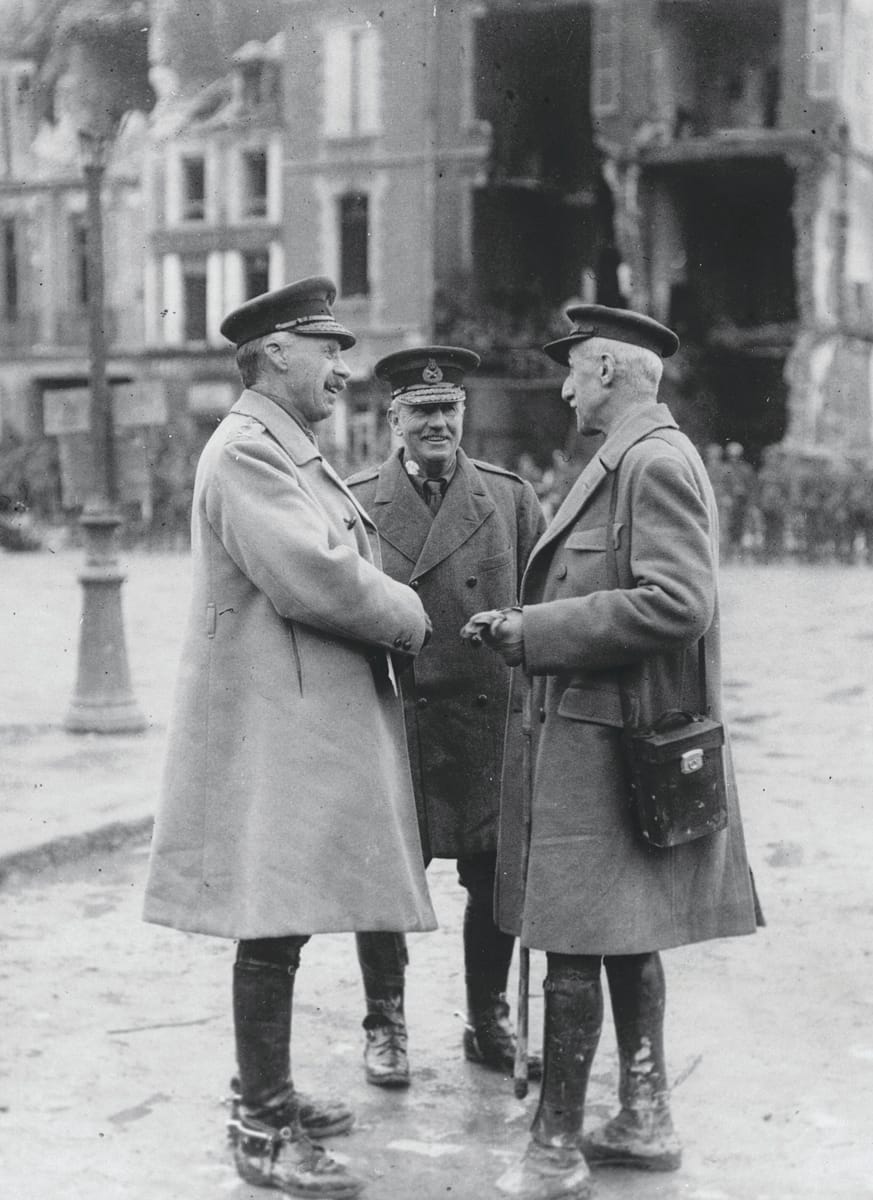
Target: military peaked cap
x,y
427,374
303,307
619,324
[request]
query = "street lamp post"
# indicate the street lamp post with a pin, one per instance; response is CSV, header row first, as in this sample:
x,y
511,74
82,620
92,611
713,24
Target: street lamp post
x,y
103,701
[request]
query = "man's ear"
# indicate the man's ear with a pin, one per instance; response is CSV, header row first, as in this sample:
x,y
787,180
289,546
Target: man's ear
x,y
275,352
393,420
607,368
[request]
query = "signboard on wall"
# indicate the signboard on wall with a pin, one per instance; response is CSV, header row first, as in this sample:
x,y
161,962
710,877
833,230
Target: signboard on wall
x,y
66,410
143,402
213,397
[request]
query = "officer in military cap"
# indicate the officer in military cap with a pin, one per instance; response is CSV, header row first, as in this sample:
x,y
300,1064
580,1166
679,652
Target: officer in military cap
x,y
458,531
287,805
576,878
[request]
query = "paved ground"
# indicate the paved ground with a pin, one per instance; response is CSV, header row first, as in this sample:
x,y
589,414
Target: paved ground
x,y
117,1042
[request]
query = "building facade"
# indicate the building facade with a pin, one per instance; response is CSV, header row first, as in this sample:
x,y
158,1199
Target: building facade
x,y
736,143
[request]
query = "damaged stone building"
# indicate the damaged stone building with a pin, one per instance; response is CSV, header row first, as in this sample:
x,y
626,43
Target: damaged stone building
x,y
736,141
465,169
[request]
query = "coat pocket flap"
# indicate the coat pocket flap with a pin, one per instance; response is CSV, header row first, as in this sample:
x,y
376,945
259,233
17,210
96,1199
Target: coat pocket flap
x,y
593,539
591,704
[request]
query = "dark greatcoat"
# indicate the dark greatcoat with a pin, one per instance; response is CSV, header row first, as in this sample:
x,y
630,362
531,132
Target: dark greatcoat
x,y
580,879
287,804
468,557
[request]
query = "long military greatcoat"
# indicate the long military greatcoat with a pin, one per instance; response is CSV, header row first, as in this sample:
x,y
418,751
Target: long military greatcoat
x,y
580,879
468,557
287,800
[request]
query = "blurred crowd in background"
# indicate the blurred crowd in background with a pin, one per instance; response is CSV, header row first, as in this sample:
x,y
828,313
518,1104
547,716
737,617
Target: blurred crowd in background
x,y
814,508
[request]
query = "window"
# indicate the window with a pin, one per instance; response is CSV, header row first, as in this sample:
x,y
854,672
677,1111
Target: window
x,y
260,82
363,436
10,268
351,80
255,183
354,228
194,299
256,273
605,60
193,189
79,244
824,30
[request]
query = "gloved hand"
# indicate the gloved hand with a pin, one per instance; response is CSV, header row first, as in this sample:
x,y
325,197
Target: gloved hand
x,y
501,629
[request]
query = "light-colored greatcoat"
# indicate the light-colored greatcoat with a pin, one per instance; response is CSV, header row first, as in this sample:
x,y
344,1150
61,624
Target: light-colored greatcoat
x,y
581,880
287,800
468,557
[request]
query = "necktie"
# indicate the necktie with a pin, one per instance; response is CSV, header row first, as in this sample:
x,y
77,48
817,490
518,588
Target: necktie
x,y
433,492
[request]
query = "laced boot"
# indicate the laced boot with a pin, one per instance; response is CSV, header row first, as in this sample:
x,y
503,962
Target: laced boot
x,y
553,1166
271,1150
383,959
641,1135
489,1038
386,1063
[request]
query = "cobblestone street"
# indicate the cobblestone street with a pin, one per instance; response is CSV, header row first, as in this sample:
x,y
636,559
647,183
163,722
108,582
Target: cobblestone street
x,y
117,1044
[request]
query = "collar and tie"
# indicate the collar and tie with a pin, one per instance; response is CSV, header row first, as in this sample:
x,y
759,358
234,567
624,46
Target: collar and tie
x,y
433,491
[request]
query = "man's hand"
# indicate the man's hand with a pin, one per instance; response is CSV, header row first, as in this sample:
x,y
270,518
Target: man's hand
x,y
428,630
501,630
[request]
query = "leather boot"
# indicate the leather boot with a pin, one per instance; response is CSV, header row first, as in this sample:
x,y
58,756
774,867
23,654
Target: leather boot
x,y
553,1165
386,1063
270,1147
489,1038
272,1151
383,958
319,1118
641,1135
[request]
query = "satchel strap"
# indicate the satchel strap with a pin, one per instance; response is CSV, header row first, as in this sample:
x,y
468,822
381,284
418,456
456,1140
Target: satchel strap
x,y
627,713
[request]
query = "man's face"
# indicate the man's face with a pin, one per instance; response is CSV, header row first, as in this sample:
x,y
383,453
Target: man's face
x,y
583,388
431,433
315,375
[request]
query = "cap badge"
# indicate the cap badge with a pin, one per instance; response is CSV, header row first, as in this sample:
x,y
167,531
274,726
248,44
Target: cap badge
x,y
432,373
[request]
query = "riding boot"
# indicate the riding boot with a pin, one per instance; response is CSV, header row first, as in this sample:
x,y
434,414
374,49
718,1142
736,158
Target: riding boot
x,y
641,1134
553,1165
383,958
489,1038
270,1146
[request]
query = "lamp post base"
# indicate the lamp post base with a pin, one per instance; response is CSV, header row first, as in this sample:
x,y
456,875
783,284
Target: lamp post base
x,y
103,701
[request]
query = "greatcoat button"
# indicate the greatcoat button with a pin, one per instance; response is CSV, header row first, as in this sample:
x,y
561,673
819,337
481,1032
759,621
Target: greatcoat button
x,y
398,643
407,645
415,585
481,700
422,702
561,572
472,580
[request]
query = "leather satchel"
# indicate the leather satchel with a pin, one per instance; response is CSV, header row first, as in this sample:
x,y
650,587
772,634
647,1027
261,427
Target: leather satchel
x,y
675,766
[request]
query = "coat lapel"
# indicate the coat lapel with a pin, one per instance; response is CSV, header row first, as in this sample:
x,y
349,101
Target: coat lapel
x,y
401,517
465,506
293,440
638,423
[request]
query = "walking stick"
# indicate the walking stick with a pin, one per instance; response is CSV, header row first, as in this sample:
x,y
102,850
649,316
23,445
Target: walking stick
x,y
519,1074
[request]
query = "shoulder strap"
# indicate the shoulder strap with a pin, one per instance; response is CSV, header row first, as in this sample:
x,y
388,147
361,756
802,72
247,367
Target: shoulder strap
x,y
627,708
